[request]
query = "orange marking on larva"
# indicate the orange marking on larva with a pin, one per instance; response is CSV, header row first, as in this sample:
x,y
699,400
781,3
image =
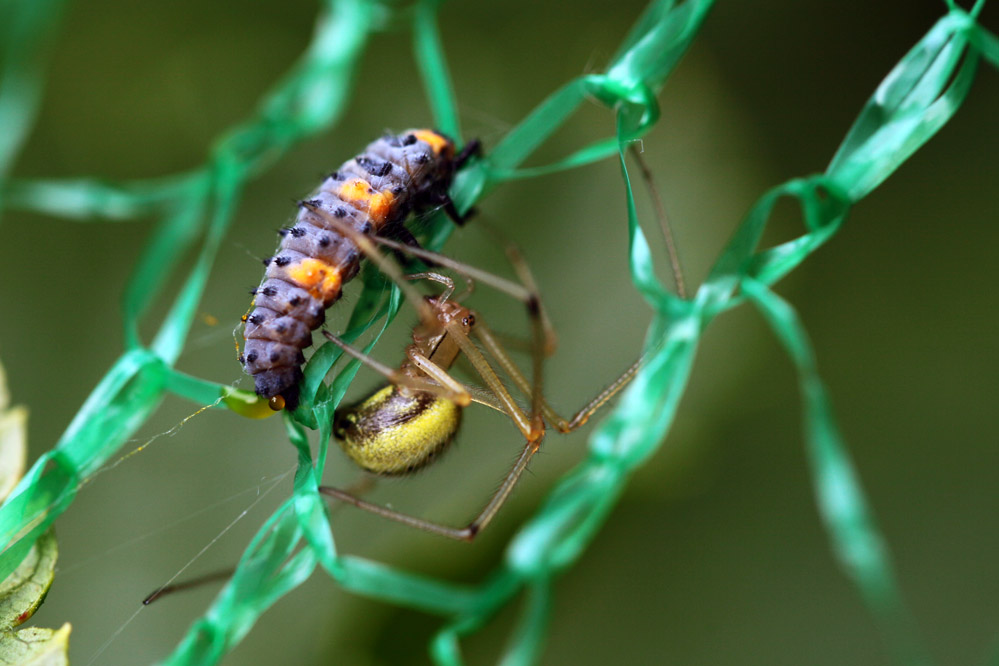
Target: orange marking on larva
x,y
436,141
380,206
320,279
355,191
359,193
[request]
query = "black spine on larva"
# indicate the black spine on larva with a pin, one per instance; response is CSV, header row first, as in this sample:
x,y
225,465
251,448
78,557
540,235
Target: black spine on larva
x,y
400,173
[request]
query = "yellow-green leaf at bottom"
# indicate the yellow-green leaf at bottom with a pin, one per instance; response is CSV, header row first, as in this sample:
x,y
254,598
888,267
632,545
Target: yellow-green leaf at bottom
x,y
22,592
4,392
35,646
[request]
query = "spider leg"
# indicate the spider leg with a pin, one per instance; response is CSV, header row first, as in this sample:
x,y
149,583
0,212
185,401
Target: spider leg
x,y
440,384
467,533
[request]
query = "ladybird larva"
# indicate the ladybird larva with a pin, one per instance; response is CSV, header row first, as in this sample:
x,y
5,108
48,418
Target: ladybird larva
x,y
395,175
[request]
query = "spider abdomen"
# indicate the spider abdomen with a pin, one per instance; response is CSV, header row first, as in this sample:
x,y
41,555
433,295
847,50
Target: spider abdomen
x,y
395,431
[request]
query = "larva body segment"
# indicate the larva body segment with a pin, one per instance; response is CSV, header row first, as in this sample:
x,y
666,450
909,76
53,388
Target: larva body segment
x,y
395,175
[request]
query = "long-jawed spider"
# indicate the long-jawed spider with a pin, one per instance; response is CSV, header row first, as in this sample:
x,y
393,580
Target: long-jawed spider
x,y
405,425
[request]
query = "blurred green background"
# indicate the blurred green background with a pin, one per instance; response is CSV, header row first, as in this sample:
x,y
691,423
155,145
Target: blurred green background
x,y
715,554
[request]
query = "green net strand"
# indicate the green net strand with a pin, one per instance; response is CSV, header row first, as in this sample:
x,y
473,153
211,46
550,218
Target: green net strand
x,y
857,541
985,43
920,95
527,639
910,105
26,27
50,486
86,199
177,231
433,68
654,46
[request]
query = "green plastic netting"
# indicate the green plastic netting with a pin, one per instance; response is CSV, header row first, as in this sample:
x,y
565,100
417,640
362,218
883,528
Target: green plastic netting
x,y
195,210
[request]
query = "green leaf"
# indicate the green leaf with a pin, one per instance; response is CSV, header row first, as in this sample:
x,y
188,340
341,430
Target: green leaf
x,y
22,592
35,646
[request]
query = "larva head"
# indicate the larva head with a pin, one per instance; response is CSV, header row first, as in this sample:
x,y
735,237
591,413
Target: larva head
x,y
442,146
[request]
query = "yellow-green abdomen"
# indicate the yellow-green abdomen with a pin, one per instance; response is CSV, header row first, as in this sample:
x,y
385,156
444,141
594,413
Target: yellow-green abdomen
x,y
393,433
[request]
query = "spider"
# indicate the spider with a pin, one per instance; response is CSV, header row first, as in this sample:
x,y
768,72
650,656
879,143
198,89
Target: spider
x,y
406,424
